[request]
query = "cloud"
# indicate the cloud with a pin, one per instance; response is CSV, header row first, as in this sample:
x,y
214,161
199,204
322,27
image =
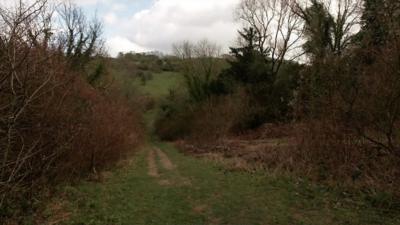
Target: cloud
x,y
110,18
119,44
13,3
170,21
157,24
90,2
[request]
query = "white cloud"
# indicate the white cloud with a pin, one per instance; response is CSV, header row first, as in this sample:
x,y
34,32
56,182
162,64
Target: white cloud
x,y
171,21
90,2
121,44
163,23
13,3
110,18
118,7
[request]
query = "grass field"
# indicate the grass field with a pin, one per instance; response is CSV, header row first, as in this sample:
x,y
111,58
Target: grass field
x,y
160,85
157,87
203,192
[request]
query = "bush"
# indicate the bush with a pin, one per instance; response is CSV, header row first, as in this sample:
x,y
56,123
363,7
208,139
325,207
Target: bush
x,y
174,117
206,121
350,109
216,118
62,130
330,153
54,126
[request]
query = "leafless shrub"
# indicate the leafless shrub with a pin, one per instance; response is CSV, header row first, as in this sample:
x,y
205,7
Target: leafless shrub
x,y
216,118
54,126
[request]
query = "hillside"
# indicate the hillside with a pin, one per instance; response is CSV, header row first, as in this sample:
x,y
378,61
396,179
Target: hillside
x,y
161,185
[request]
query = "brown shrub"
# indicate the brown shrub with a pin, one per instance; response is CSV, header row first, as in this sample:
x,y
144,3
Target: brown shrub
x,y
203,122
330,153
350,132
215,118
108,129
64,131
54,126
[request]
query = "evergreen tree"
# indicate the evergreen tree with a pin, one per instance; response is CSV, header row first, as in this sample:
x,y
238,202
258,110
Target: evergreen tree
x,y
250,69
319,25
249,66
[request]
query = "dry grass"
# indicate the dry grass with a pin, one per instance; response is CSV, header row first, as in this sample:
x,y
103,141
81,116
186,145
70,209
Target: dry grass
x,y
309,150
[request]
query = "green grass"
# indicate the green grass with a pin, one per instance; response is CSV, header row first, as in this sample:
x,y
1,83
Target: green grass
x,y
157,88
203,192
160,85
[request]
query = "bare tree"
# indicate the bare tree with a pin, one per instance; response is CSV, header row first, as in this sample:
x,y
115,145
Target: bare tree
x,y
183,50
347,23
277,27
201,58
200,66
80,39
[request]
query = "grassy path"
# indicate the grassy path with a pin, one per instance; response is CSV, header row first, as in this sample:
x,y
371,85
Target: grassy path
x,y
162,186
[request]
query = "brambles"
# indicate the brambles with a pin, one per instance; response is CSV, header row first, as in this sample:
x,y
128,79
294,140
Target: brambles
x,y
54,125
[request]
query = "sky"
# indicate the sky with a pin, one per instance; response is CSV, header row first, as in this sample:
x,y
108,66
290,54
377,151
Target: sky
x,y
155,25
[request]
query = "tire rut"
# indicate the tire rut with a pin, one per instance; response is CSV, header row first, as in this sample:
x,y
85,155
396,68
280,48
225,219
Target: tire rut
x,y
164,159
152,165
